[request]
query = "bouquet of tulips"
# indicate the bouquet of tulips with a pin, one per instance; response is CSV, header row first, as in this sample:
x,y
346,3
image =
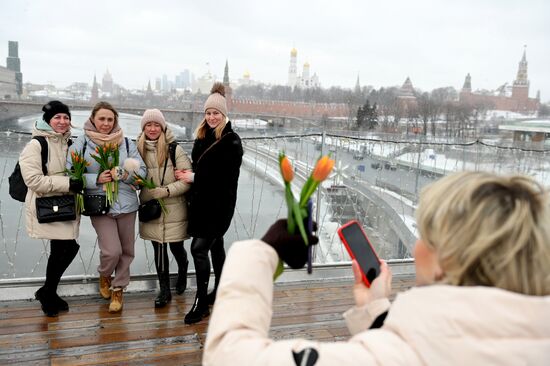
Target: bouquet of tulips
x,y
298,210
108,159
79,165
149,184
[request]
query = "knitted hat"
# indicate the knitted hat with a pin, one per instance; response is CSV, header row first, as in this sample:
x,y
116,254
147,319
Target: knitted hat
x,y
153,115
216,99
52,108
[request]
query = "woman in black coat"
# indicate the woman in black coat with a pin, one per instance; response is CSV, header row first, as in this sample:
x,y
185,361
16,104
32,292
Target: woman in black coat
x,y
217,156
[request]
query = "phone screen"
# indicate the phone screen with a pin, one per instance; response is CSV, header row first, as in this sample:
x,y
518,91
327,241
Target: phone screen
x,y
362,250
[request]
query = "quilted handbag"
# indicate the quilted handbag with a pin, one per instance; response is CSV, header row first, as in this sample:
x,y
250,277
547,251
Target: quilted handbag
x,y
95,205
149,210
55,208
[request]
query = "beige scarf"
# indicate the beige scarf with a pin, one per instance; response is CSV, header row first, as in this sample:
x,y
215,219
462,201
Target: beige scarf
x,y
115,136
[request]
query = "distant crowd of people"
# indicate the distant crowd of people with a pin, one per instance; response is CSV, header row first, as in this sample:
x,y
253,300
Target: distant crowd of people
x,y
482,257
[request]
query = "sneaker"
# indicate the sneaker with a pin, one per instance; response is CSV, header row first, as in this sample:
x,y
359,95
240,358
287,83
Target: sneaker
x,y
116,300
105,287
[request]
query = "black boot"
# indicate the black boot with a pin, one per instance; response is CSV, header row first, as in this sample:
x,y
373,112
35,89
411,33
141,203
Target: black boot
x,y
181,284
47,300
199,250
164,296
163,272
62,253
218,259
199,311
180,255
211,297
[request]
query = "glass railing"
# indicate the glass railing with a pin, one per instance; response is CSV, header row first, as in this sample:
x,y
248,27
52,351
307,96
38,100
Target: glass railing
x,y
377,179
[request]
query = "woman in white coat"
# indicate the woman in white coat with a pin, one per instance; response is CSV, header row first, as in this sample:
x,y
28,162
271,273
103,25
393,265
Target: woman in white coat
x,y
483,295
55,127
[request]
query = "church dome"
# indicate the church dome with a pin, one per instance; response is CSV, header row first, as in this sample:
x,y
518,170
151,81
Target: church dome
x,y
306,64
246,74
293,52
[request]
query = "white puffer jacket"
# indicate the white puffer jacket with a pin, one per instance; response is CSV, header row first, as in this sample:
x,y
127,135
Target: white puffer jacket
x,y
56,183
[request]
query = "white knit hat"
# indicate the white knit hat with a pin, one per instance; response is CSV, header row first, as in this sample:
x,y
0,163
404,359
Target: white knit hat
x,y
153,115
216,99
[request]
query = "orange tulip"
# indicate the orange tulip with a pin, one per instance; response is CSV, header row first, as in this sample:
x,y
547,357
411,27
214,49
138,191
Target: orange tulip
x,y
286,170
322,169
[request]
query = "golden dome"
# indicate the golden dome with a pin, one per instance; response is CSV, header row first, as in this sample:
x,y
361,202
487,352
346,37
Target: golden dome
x,y
293,52
246,74
306,64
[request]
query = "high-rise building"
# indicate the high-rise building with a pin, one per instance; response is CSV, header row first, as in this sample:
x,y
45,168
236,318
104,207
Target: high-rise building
x,y
95,91
107,82
13,63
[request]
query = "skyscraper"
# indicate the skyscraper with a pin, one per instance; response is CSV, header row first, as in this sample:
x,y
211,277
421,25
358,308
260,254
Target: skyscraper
x,y
13,63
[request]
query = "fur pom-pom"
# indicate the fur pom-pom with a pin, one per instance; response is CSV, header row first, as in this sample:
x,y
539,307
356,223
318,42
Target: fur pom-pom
x,y
218,88
131,165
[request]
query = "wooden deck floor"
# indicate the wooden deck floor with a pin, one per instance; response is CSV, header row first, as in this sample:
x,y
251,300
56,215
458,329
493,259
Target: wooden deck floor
x,y
89,335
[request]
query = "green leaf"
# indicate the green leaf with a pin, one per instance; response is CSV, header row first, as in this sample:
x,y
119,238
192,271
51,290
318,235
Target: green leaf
x,y
300,222
279,270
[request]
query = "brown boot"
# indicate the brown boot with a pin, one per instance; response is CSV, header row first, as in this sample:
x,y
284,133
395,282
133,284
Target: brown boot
x,y
116,300
105,287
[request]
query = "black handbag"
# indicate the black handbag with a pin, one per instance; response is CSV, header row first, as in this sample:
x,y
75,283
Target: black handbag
x,y
95,205
149,210
55,208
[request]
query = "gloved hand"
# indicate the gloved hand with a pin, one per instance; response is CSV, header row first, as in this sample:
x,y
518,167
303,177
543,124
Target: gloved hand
x,y
76,186
290,247
159,192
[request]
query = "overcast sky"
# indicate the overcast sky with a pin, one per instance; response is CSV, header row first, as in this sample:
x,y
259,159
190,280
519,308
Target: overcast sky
x,y
435,42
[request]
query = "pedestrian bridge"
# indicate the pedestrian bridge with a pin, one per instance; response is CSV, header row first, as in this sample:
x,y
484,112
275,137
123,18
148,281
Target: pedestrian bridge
x,y
376,180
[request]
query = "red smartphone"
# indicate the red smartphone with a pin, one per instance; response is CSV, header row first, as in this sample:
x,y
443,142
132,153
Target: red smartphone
x,y
359,248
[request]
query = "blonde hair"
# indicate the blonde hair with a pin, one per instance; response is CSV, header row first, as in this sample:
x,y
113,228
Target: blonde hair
x,y
200,132
162,147
489,230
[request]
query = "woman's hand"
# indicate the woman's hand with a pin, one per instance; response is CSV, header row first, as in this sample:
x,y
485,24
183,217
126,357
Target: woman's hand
x,y
185,175
105,177
380,288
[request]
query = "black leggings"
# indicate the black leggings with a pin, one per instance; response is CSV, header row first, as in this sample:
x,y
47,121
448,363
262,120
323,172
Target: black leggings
x,y
199,249
62,253
161,255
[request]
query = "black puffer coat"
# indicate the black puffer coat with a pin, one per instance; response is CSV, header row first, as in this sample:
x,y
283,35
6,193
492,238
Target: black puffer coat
x,y
214,190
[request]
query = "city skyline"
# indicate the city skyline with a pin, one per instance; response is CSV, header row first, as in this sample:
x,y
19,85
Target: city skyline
x,y
435,45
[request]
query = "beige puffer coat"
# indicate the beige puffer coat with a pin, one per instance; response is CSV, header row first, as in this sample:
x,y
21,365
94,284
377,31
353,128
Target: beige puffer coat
x,y
429,325
56,183
173,226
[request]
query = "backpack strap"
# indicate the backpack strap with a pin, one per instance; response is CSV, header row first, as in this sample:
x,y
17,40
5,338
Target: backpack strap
x,y
43,152
127,147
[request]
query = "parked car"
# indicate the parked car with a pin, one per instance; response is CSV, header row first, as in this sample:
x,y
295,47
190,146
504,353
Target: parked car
x,y
376,166
358,156
390,166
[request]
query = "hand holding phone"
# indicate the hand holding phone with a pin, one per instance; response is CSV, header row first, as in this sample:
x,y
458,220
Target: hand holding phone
x,y
359,248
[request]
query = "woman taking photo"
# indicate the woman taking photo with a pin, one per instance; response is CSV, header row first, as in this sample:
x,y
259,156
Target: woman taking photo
x,y
55,130
483,287
162,155
116,228
217,156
